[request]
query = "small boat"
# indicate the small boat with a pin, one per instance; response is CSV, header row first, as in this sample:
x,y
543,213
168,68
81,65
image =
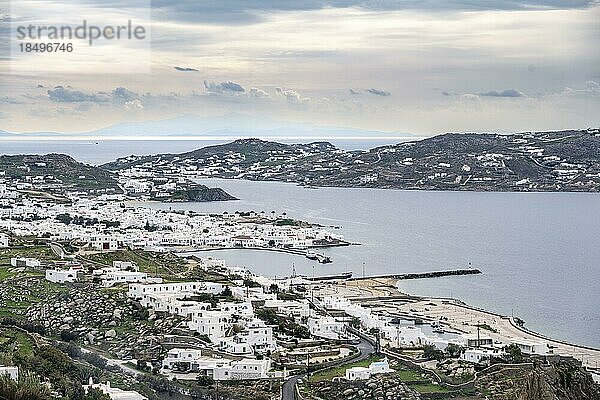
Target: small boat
x,y
324,260
311,255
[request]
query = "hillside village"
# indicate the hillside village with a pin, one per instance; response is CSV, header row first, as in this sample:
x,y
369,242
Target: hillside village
x,y
102,297
544,161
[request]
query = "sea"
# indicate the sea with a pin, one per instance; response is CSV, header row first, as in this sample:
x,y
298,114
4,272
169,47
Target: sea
x,y
539,252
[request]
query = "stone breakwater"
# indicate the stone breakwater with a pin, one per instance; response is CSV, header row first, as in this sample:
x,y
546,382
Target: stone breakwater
x,y
423,275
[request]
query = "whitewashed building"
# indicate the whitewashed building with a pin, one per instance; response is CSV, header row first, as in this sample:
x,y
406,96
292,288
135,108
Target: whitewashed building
x,y
533,347
61,275
138,291
111,278
11,372
3,241
105,243
213,324
125,265
326,327
220,369
480,356
24,262
113,393
376,367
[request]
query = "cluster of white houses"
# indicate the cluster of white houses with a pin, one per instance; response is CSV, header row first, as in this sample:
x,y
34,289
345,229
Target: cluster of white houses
x,y
231,327
478,348
218,368
107,224
121,272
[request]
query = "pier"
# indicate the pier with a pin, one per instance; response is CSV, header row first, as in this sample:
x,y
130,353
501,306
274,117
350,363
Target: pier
x,y
421,275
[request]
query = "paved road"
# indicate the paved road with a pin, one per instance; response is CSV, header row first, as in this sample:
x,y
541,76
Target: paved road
x,y
288,391
58,250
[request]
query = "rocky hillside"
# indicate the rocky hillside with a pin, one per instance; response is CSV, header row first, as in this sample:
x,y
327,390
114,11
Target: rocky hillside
x,y
559,379
198,193
56,171
545,161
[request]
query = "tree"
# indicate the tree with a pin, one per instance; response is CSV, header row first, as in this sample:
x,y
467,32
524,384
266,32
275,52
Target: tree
x,y
453,350
204,380
250,283
274,288
95,394
226,292
513,353
67,336
431,352
27,388
355,323
142,365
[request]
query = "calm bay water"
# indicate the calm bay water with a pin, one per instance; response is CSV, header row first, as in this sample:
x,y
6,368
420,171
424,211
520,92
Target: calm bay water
x,y
538,252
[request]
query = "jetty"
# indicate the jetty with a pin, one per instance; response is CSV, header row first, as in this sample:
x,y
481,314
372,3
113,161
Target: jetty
x,y
340,276
421,275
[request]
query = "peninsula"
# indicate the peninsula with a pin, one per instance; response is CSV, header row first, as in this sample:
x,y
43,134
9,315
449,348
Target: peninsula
x,y
542,161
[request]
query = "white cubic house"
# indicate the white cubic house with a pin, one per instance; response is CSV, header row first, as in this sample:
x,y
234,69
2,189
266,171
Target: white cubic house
x,y
3,241
61,275
11,372
377,367
24,262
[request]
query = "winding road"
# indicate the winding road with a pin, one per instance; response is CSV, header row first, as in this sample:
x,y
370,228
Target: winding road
x,y
288,391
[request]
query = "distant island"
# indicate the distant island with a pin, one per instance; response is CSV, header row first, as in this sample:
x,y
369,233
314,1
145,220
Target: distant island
x,y
541,161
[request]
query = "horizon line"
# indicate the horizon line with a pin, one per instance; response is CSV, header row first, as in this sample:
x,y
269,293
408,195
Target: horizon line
x,y
208,138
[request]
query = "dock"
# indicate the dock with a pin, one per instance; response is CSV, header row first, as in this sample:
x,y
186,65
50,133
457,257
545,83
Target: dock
x,y
421,275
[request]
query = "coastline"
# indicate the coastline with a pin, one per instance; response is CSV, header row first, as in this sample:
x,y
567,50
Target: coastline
x,y
457,316
384,289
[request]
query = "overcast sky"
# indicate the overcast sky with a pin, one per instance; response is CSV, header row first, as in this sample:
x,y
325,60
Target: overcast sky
x,y
422,67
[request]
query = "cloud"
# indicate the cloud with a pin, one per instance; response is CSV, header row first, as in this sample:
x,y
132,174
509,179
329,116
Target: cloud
x,y
352,91
223,87
124,95
119,95
379,92
61,94
592,86
256,92
248,12
504,93
10,100
292,96
134,105
469,97
186,69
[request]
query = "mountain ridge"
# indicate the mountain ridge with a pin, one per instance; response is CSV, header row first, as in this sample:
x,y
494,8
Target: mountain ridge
x,y
544,161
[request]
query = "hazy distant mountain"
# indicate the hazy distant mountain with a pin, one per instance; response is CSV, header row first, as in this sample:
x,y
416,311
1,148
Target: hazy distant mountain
x,y
233,124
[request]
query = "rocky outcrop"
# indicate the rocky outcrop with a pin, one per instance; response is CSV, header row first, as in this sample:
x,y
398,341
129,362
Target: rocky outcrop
x,y
552,379
382,387
200,193
105,319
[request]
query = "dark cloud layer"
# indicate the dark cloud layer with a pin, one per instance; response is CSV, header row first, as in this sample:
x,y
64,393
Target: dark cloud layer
x,y
503,93
223,87
61,94
244,11
379,92
186,69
